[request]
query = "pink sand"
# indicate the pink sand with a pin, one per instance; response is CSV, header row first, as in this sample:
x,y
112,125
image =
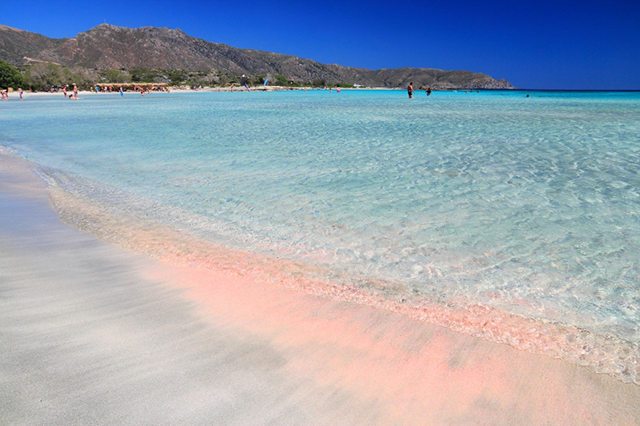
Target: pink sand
x,y
95,334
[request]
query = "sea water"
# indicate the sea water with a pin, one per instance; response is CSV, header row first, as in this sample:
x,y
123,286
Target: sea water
x,y
522,205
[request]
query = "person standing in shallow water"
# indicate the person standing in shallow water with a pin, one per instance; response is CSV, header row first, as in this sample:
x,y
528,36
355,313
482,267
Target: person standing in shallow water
x,y
410,90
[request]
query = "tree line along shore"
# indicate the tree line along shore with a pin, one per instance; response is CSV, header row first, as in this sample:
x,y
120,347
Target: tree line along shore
x,y
49,76
45,76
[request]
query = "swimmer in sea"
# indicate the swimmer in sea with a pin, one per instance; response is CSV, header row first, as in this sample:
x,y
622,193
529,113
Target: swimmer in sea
x,y
410,90
20,91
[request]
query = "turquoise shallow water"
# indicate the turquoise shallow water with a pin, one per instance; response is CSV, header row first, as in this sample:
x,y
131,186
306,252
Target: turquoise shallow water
x,y
529,205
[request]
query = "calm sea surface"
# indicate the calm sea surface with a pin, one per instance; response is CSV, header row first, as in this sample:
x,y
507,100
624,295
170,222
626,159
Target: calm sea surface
x,y
527,205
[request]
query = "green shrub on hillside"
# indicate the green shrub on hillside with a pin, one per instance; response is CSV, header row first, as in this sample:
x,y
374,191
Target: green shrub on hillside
x,y
142,75
10,77
177,77
281,80
45,75
115,76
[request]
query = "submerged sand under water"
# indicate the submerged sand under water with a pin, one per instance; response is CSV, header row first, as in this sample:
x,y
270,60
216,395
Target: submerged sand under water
x,y
93,334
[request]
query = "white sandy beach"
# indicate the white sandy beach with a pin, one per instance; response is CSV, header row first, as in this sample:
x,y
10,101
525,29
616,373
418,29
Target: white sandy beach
x,y
93,334
15,96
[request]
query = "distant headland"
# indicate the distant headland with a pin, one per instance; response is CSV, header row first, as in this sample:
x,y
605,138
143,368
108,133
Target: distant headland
x,y
115,54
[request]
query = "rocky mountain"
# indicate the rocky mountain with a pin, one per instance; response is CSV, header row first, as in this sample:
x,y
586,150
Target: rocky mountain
x,y
111,47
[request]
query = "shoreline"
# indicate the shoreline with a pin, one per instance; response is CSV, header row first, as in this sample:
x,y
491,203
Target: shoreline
x,y
152,237
329,361
181,90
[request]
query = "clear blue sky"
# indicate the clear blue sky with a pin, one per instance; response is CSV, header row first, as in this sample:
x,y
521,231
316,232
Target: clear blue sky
x,y
533,44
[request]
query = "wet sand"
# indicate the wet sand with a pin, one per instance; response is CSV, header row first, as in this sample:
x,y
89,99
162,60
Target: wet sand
x,y
93,334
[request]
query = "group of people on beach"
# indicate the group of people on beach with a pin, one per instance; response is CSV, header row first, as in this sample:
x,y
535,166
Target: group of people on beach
x,y
74,94
138,89
4,94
